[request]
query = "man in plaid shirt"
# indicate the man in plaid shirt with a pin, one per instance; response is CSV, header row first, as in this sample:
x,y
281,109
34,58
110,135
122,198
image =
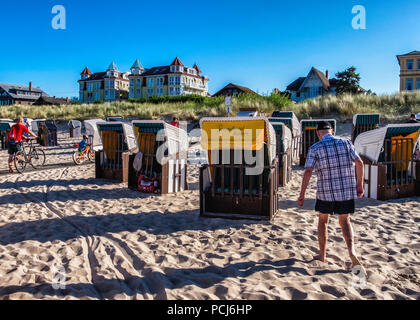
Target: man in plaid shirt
x,y
340,173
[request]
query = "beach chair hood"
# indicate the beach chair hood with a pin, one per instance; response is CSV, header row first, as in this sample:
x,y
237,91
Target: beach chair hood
x,y
263,133
92,131
370,144
126,128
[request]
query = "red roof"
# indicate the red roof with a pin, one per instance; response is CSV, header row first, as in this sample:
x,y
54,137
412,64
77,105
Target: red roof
x,y
177,62
197,68
86,71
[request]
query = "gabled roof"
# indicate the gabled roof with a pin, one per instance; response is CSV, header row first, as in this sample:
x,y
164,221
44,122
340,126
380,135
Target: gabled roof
x,y
322,77
137,64
197,68
12,89
86,71
295,85
112,66
177,62
235,86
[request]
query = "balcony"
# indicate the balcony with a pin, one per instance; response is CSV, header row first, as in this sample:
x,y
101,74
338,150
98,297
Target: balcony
x,y
196,86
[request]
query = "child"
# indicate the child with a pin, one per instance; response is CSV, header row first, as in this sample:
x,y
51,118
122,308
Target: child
x,y
83,144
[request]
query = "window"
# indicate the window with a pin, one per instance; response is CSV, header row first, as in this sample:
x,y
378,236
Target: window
x,y
159,82
418,83
150,82
138,93
409,85
81,98
97,96
174,81
418,64
138,83
159,92
174,91
150,92
97,86
131,94
410,64
90,86
131,82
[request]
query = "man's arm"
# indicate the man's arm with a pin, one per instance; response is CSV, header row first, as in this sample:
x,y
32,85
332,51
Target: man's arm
x,y
305,182
360,176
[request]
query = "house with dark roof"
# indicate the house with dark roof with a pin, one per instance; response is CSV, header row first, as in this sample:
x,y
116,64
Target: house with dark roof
x,y
11,94
233,90
315,84
52,101
409,71
170,80
111,85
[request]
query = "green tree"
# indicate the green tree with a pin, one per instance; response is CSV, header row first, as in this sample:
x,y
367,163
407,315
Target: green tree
x,y
348,81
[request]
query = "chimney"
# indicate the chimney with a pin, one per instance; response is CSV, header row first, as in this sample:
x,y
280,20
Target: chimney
x,y
327,74
30,86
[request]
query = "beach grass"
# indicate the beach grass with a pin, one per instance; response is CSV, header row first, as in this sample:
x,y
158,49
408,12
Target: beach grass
x,y
341,107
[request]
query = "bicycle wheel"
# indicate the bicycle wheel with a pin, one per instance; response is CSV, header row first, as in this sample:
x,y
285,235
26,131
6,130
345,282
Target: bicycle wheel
x,y
20,162
78,158
37,158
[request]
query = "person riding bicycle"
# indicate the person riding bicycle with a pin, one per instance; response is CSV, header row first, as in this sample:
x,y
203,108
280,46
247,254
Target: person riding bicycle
x,y
84,143
15,138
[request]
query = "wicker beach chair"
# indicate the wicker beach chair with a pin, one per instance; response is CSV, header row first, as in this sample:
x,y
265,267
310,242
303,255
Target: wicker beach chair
x,y
5,127
391,171
292,122
309,136
118,142
75,128
232,186
164,151
365,122
91,131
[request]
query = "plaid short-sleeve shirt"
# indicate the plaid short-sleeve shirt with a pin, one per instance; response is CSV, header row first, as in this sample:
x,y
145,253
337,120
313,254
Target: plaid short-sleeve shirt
x,y
333,161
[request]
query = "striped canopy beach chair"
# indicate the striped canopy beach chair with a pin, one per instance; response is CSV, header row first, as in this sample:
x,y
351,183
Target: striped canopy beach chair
x,y
118,143
309,136
164,156
292,122
365,122
284,142
232,186
5,127
390,169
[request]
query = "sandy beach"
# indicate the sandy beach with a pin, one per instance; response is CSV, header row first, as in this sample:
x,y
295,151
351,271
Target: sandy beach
x,y
66,235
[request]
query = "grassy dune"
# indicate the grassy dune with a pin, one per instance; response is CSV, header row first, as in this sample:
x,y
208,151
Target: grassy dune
x,y
391,107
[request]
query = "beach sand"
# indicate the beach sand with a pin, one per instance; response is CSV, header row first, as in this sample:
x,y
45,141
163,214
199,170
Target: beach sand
x,y
65,235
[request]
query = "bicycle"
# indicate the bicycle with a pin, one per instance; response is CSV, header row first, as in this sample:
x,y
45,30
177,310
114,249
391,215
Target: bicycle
x,y
80,157
35,157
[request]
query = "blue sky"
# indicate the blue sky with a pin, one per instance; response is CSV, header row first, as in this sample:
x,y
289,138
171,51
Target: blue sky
x,y
261,44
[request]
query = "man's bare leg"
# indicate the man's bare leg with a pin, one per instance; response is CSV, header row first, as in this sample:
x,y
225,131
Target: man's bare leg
x,y
348,235
323,235
11,163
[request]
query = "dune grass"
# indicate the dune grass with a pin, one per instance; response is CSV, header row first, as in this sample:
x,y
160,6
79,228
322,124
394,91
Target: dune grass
x,y
340,107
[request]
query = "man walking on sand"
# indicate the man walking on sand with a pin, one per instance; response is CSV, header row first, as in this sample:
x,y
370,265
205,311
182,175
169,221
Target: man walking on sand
x,y
340,173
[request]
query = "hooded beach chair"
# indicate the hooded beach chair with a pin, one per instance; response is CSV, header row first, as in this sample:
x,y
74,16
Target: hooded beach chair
x,y
164,156
292,122
390,169
75,128
118,142
364,122
47,133
5,126
91,131
241,178
284,143
309,135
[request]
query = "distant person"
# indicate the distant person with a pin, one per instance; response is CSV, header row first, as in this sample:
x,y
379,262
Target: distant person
x,y
84,143
175,122
15,138
340,173
413,119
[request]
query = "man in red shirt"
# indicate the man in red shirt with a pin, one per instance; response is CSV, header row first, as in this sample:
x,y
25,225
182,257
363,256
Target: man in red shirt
x,y
15,137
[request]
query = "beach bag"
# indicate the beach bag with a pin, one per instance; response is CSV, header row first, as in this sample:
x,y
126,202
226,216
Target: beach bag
x,y
138,162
